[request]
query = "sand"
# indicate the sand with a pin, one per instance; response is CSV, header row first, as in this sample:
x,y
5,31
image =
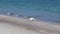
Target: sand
x,y
27,27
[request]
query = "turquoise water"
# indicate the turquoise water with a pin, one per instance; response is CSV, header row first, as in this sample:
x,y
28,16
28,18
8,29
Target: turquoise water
x,y
46,10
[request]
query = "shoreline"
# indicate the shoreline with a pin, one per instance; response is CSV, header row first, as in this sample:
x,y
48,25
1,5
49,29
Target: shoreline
x,y
36,25
27,17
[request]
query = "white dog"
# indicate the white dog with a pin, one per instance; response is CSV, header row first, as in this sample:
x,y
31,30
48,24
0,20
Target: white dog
x,y
31,19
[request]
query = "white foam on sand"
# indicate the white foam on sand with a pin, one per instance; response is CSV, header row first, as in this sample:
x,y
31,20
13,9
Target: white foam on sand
x,y
29,27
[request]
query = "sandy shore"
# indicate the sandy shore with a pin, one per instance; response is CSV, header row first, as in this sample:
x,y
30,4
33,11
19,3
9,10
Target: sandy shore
x,y
36,26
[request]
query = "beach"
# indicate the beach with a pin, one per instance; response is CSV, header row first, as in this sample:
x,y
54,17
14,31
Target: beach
x,y
15,16
27,26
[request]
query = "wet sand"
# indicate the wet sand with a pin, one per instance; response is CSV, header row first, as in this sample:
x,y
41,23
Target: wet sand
x,y
38,27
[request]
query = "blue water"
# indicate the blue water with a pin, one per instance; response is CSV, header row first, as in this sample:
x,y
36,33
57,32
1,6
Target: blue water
x,y
46,10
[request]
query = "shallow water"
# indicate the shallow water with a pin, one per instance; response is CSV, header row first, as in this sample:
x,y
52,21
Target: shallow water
x,y
46,10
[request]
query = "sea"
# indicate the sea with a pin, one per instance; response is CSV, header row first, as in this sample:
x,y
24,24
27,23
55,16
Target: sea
x,y
45,10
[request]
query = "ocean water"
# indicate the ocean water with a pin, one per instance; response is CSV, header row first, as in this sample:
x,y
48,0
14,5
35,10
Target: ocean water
x,y
45,10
